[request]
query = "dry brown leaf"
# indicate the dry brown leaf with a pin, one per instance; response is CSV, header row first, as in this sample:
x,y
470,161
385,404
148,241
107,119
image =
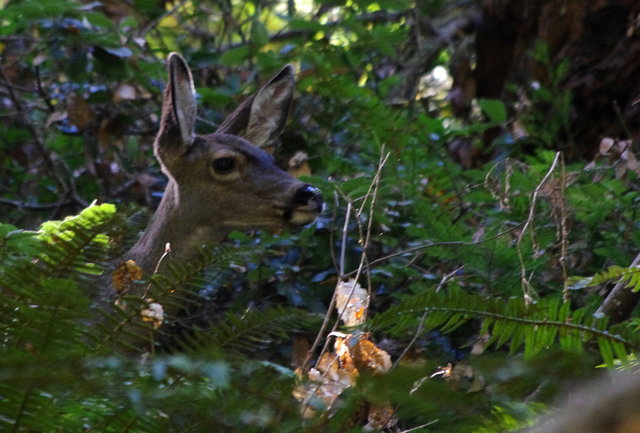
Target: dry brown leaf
x,y
323,385
343,353
381,416
298,165
480,344
352,354
352,302
334,372
154,314
300,350
606,145
39,59
124,275
80,113
368,357
317,394
125,92
56,116
464,377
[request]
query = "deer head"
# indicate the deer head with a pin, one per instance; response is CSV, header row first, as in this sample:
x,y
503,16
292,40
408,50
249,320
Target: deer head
x,y
222,181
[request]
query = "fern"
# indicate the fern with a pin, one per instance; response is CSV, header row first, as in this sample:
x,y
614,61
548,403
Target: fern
x,y
43,298
614,274
75,244
246,333
43,302
176,290
53,382
532,328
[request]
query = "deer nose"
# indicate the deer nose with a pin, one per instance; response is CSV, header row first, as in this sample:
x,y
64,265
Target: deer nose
x,y
310,197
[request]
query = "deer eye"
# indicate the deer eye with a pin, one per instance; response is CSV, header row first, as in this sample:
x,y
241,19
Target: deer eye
x,y
224,165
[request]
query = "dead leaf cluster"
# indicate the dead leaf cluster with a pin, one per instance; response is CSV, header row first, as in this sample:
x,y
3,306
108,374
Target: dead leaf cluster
x,y
153,314
616,153
353,354
124,276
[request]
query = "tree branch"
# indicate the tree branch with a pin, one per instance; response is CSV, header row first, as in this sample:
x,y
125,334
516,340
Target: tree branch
x,y
621,301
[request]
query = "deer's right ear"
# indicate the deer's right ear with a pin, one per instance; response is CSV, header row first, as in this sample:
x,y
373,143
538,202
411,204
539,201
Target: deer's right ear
x,y
178,112
260,118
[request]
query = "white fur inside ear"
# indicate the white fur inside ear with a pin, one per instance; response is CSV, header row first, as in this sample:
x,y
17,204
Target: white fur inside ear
x,y
184,102
186,125
267,111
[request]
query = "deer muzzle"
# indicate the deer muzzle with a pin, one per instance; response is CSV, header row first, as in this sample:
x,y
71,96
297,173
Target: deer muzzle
x,y
306,205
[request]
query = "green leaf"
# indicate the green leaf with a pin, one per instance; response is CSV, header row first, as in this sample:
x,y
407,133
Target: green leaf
x,y
494,109
259,34
235,56
606,351
121,52
300,24
99,20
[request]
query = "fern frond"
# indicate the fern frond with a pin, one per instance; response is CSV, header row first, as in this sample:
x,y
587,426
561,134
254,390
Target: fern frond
x,y
41,335
248,332
77,243
531,328
42,306
212,260
178,288
617,273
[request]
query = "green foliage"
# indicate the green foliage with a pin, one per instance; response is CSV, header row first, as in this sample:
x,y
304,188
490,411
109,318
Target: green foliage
x,y
614,274
49,369
526,328
497,261
494,109
550,119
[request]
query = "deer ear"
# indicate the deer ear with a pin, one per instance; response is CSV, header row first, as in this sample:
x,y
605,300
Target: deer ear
x,y
178,112
260,119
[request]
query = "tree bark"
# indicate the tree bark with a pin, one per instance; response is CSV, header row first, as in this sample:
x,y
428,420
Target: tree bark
x,y
621,301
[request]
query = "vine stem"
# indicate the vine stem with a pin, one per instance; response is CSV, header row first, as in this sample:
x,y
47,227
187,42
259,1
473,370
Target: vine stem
x,y
438,244
527,290
563,232
445,279
533,322
372,192
332,303
621,300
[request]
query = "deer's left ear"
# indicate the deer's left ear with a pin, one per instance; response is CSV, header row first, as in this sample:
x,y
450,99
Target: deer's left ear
x,y
178,112
260,119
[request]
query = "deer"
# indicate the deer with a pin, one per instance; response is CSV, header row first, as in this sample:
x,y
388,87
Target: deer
x,y
218,182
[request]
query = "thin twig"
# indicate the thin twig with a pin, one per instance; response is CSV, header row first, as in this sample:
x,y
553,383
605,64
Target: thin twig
x,y
437,244
526,287
364,242
41,91
420,426
564,232
343,245
153,23
35,206
445,279
373,189
334,217
623,123
538,323
332,303
167,250
618,297
63,188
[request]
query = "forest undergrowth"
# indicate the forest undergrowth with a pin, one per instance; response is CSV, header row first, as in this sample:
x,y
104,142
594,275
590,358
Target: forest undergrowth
x,y
470,267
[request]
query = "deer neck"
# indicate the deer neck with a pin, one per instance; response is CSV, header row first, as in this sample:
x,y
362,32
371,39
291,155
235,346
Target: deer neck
x,y
171,225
